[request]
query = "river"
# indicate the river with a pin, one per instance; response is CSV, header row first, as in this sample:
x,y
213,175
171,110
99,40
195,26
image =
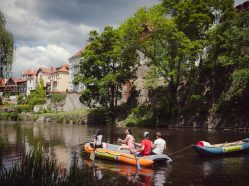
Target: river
x,y
61,142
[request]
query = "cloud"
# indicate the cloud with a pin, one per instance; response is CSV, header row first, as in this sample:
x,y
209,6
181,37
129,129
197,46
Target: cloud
x,y
28,28
61,26
45,56
97,13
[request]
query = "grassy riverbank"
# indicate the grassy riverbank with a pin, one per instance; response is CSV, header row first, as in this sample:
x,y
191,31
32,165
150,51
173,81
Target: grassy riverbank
x,y
77,116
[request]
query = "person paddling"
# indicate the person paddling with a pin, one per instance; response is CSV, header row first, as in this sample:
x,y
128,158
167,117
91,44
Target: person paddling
x,y
128,142
145,145
97,139
159,145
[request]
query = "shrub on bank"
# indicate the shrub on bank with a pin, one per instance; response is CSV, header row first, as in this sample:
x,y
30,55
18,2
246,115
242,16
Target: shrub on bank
x,y
57,97
140,116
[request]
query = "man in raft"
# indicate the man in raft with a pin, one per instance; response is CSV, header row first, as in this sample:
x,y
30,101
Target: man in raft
x,y
159,145
145,146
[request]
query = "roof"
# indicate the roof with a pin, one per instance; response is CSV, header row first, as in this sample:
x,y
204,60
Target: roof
x,y
21,80
63,68
46,70
77,54
2,82
29,72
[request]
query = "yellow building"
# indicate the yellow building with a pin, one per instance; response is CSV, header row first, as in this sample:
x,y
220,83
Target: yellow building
x,y
59,79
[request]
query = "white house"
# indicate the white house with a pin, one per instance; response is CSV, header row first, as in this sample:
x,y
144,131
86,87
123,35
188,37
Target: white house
x,y
30,77
74,67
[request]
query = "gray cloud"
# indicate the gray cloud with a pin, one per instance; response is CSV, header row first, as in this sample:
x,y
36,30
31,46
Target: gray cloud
x,y
96,13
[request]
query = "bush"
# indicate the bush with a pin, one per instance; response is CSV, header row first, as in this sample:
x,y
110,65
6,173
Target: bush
x,y
141,116
1,101
21,100
57,97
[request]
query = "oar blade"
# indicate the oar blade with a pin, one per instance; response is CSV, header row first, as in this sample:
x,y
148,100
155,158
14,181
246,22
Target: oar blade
x,y
138,166
92,156
137,163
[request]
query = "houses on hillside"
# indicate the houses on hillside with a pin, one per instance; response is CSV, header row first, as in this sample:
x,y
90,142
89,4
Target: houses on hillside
x,y
55,79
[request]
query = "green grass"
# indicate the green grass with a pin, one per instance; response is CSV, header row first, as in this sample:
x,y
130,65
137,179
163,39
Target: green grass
x,y
37,169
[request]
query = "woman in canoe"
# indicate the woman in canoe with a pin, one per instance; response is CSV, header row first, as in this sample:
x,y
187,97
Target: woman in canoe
x,y
128,142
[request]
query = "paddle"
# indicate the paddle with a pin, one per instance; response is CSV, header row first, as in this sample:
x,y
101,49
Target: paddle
x,y
137,163
92,155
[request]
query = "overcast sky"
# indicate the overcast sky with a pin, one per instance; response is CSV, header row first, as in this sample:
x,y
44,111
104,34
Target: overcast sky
x,y
48,32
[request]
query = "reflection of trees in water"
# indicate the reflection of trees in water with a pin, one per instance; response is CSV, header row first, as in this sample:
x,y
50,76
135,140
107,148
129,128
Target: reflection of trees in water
x,y
217,168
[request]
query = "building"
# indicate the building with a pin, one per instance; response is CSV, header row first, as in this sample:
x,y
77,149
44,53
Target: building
x,y
59,79
74,67
11,85
44,74
21,86
30,77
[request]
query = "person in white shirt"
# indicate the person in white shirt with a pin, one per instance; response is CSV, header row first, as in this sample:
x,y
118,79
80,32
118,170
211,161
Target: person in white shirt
x,y
159,145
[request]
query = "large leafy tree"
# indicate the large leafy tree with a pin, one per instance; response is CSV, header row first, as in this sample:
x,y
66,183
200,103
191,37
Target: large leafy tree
x,y
107,63
169,51
6,46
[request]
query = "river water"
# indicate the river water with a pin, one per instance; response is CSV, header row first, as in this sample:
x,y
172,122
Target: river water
x,y
62,141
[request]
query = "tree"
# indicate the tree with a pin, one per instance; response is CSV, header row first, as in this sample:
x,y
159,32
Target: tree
x,y
228,55
6,46
38,96
169,51
106,65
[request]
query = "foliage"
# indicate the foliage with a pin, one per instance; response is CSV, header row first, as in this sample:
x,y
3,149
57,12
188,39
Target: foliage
x,y
141,116
1,100
57,97
197,52
21,100
37,169
6,46
106,64
37,97
9,116
169,51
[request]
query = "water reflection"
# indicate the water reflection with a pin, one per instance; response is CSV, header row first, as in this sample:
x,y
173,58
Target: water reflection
x,y
145,176
62,141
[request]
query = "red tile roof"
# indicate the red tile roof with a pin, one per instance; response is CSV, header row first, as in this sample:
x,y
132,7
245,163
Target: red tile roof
x,y
63,68
46,70
29,72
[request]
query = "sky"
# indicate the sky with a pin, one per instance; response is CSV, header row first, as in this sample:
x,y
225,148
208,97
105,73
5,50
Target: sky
x,y
48,32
